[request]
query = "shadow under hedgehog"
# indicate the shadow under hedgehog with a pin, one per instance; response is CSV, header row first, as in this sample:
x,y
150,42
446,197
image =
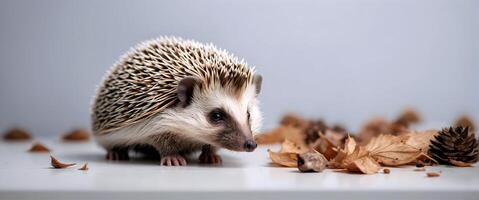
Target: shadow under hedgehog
x,y
177,96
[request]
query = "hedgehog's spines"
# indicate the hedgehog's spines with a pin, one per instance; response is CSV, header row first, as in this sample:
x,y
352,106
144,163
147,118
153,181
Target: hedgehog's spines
x,y
143,82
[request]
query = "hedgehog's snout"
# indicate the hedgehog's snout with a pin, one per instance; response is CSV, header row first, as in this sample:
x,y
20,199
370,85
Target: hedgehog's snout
x,y
250,145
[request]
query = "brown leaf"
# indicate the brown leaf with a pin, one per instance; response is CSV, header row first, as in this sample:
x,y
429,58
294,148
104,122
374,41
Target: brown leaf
x,y
287,156
372,128
408,116
58,165
392,150
38,148
77,135
271,137
84,167
16,134
286,159
433,174
294,120
349,147
312,162
460,163
354,158
364,164
291,147
465,121
420,139
324,146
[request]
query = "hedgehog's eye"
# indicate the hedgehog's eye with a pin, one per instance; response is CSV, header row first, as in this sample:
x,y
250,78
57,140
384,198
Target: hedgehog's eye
x,y
217,115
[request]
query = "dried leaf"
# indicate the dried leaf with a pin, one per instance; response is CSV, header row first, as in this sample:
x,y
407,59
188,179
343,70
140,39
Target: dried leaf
x,y
433,174
420,139
364,164
372,128
460,163
408,116
312,162
324,146
287,156
354,158
271,137
58,165
349,147
392,150
420,169
286,159
77,135
38,148
291,147
84,167
294,120
465,121
16,134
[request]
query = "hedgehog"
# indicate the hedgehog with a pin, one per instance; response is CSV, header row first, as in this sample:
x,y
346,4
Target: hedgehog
x,y
174,97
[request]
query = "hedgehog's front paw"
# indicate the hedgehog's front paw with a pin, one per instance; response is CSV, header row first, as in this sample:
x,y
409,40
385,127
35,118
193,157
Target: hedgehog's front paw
x,y
210,158
173,160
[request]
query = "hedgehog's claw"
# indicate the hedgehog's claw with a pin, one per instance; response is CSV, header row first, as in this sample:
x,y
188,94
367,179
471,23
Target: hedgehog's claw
x,y
173,160
210,158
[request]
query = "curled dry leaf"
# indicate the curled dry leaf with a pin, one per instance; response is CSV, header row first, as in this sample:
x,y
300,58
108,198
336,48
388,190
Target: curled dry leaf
x,y
433,174
312,162
349,147
324,146
354,158
58,165
84,167
38,148
288,155
77,135
17,134
286,159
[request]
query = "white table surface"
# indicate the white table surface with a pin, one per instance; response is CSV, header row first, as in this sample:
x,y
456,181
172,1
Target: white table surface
x,y
26,175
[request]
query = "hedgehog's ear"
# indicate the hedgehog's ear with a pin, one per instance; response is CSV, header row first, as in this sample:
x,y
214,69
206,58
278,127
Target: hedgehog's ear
x,y
185,90
258,80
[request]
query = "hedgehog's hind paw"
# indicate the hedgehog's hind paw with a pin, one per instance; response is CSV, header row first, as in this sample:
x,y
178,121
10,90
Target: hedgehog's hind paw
x,y
173,160
116,155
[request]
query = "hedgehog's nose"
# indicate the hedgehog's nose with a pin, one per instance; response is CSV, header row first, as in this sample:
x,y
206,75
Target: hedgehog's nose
x,y
250,145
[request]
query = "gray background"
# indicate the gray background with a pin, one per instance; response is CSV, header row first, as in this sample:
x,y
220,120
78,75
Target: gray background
x,y
344,61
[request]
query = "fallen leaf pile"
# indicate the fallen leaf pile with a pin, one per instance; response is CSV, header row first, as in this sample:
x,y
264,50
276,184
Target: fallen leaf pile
x,y
77,135
314,146
39,148
16,134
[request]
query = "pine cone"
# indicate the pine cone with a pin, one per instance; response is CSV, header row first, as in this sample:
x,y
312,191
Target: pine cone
x,y
454,144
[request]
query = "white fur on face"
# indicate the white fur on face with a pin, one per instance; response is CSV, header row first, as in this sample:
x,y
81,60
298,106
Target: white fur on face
x,y
192,122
